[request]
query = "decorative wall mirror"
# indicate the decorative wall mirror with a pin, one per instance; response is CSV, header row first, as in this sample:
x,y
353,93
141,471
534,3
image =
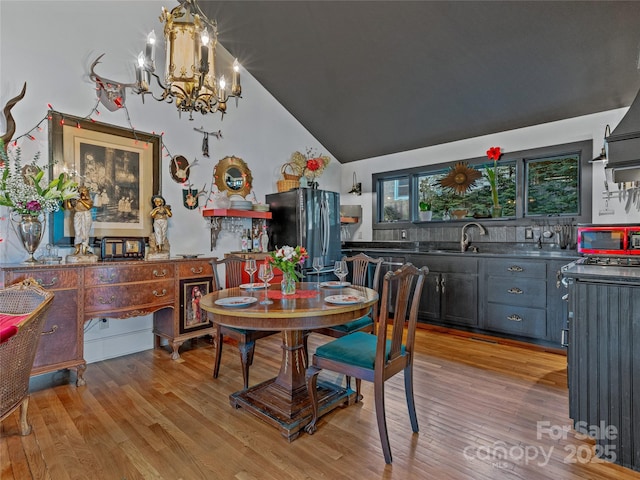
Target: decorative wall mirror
x,y
232,175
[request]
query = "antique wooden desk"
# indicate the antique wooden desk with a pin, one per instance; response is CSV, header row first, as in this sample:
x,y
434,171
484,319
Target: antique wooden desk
x,y
111,290
283,401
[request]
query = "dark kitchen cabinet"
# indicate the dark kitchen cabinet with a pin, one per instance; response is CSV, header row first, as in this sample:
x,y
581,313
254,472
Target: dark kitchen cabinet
x,y
450,293
603,361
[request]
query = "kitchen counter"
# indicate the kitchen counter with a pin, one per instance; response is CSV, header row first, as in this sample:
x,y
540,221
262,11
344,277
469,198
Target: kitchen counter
x,y
512,250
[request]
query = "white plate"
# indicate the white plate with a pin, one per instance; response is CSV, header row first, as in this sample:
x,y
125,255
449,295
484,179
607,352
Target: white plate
x,y
236,301
253,286
343,299
335,284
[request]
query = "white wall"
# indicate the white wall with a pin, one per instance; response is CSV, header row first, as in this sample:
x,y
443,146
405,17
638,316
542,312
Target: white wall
x,y
588,127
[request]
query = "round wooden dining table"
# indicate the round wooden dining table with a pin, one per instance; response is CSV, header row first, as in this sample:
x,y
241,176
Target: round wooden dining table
x,y
283,401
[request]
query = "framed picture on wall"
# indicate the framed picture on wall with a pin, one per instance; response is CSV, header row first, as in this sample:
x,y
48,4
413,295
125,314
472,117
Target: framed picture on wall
x,y
192,316
121,168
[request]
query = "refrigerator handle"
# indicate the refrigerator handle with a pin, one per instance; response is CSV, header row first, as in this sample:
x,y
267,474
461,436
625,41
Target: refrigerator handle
x,y
324,221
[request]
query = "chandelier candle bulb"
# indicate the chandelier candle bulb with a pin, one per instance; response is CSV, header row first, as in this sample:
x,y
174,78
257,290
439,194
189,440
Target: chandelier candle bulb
x,y
150,51
235,84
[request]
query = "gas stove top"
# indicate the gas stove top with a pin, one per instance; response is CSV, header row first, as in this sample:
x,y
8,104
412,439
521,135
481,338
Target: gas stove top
x,y
610,261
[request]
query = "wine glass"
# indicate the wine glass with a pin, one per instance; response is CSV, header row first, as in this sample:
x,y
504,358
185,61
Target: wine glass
x,y
251,268
318,265
265,274
340,269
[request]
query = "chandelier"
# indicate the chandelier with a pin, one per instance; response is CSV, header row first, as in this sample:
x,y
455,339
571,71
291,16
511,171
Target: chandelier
x,y
190,67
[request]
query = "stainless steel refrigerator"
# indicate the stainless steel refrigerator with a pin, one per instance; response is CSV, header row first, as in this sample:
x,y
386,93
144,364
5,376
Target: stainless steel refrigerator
x,y
310,218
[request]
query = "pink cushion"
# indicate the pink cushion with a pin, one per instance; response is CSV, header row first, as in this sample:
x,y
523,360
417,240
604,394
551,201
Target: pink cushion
x,y
9,325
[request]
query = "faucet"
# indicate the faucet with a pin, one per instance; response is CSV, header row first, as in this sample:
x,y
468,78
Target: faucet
x,y
464,237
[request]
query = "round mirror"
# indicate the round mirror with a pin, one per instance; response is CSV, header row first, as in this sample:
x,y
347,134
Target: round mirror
x,y
233,176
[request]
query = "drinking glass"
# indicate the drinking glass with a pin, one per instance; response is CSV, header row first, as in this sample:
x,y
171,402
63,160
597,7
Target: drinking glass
x,y
250,268
265,274
318,265
340,269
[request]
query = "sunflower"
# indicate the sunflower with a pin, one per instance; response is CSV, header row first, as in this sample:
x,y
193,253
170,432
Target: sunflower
x,y
461,178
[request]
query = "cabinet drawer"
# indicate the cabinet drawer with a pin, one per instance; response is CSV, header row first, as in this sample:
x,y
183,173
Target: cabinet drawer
x,y
131,296
517,291
50,279
194,269
528,322
59,340
109,275
517,267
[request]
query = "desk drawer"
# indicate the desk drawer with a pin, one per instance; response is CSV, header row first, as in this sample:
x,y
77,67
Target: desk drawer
x,y
113,274
194,269
129,297
517,291
525,321
50,279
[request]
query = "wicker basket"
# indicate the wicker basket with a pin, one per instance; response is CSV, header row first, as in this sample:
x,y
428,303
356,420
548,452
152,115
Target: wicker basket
x,y
18,352
286,185
289,176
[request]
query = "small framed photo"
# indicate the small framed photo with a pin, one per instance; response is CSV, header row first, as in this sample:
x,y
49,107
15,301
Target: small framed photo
x,y
192,316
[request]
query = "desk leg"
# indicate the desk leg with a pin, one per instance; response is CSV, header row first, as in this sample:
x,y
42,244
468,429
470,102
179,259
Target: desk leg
x,y
284,401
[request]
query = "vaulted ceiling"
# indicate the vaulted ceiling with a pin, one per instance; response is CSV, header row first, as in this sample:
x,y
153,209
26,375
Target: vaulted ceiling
x,y
369,78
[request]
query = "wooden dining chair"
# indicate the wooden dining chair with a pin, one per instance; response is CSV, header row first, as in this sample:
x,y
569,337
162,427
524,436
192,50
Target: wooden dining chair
x,y
365,272
246,339
376,358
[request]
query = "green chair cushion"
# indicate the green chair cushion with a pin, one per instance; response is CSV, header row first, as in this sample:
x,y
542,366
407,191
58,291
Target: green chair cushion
x,y
358,348
354,325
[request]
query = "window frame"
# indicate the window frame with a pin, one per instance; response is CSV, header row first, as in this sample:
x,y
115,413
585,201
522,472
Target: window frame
x,y
584,149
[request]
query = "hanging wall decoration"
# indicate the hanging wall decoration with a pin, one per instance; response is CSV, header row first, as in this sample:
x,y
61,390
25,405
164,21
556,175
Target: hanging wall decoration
x,y
179,168
205,139
190,197
461,178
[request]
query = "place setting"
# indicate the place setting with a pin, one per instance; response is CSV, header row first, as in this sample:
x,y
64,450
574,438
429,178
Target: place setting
x,y
236,302
341,271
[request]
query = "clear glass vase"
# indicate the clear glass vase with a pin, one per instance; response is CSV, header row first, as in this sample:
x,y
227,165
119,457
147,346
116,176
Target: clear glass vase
x,y
288,284
496,211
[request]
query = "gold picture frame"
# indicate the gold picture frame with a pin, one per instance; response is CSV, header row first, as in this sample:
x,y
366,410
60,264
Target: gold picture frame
x,y
120,166
193,316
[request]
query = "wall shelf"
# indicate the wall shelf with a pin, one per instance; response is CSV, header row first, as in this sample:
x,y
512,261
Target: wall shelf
x,y
344,220
214,214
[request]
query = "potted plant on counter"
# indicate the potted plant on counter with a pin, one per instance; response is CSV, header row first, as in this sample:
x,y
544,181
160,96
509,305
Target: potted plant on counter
x,y
426,200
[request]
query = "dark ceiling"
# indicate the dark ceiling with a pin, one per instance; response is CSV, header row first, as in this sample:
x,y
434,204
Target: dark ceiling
x,y
370,78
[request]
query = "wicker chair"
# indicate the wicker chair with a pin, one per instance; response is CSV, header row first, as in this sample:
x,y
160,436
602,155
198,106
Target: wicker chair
x,y
30,300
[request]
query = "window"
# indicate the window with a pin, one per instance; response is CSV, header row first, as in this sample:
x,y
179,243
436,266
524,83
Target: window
x,y
552,185
544,182
394,200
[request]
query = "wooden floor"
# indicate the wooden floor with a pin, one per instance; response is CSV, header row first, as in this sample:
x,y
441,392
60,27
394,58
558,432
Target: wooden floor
x,y
144,416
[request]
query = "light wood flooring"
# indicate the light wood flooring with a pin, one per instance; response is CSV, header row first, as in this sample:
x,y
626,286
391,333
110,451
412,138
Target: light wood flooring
x,y
144,416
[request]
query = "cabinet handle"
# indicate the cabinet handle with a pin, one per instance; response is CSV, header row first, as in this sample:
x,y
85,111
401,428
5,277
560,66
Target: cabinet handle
x,y
515,291
564,337
196,270
515,268
160,274
164,292
53,281
558,278
105,279
442,282
53,330
514,318
107,302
